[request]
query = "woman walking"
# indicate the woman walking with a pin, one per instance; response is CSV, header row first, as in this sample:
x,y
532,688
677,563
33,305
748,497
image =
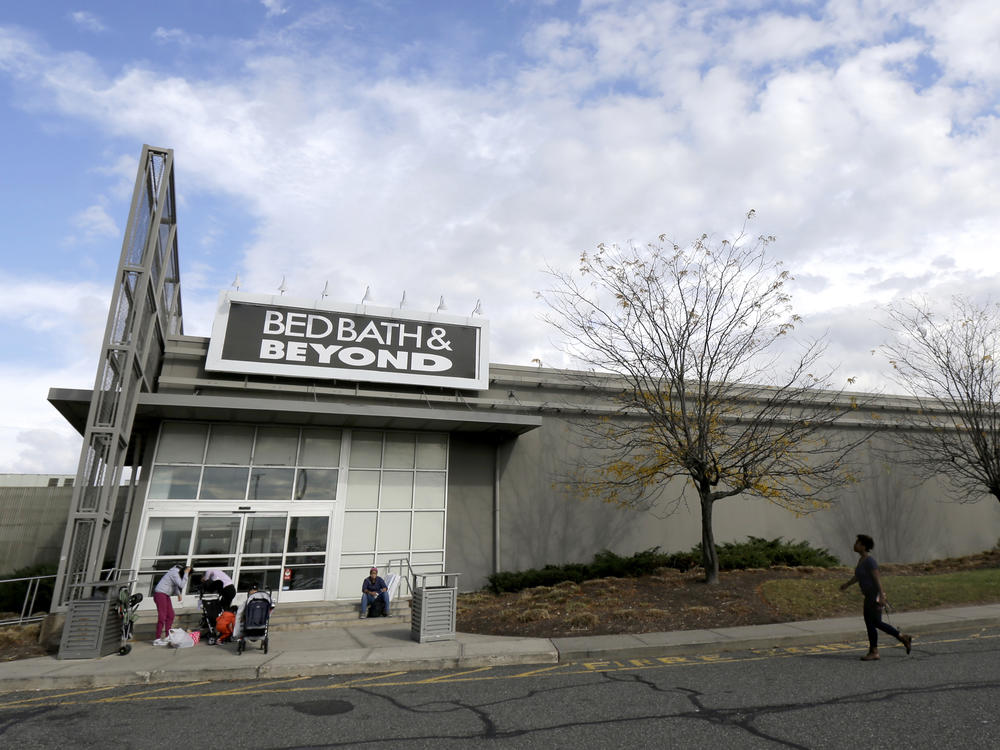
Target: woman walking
x,y
171,584
867,577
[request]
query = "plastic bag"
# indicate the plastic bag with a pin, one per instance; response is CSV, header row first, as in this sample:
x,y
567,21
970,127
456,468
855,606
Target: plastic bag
x,y
180,638
195,635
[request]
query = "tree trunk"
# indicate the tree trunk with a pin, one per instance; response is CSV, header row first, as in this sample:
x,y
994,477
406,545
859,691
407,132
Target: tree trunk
x,y
709,555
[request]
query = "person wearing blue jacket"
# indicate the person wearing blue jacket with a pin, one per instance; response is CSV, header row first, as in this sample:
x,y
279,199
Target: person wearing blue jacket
x,y
171,584
373,588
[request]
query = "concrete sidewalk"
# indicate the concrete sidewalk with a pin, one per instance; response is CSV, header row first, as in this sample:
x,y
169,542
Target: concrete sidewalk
x,y
388,648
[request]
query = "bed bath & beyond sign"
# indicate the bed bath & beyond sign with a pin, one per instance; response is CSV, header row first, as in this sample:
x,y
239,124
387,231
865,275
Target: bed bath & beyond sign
x,y
252,335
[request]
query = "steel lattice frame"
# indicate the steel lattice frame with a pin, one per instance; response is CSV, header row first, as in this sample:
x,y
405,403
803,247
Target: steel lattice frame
x,y
145,309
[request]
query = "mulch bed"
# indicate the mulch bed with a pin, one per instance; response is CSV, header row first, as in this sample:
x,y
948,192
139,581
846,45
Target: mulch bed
x,y
667,601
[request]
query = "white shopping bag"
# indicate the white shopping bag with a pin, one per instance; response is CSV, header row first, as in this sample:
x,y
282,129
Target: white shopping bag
x,y
180,638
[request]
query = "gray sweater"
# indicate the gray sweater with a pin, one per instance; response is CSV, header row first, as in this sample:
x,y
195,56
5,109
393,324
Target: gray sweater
x,y
172,584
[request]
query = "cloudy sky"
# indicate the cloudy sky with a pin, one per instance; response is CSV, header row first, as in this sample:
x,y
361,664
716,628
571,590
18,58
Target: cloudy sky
x,y
456,148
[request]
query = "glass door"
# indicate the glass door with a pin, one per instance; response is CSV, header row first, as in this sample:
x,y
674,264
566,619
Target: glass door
x,y
279,551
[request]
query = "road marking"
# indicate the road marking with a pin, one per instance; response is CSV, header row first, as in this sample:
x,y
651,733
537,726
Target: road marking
x,y
473,675
359,680
130,696
454,677
50,697
540,671
254,686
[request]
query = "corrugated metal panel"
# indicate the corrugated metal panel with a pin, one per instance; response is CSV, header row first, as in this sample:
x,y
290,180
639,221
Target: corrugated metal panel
x,y
32,525
92,630
432,614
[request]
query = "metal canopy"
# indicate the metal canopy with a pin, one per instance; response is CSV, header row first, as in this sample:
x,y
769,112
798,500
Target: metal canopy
x,y
73,404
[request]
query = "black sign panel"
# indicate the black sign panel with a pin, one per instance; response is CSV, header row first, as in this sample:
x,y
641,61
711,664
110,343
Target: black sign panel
x,y
314,342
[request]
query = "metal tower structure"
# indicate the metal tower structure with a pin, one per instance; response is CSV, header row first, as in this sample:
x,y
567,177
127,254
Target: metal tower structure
x,y
145,309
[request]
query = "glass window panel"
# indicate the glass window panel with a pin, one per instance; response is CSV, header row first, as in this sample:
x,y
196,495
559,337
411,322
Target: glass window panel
x,y
264,535
229,444
316,484
302,578
359,532
429,492
306,559
428,530
366,449
266,580
320,448
271,484
362,489
394,531
398,450
308,533
259,561
357,560
167,536
397,489
276,446
174,483
224,483
182,443
217,535
432,451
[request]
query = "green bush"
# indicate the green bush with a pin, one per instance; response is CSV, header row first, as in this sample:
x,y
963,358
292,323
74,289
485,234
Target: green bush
x,y
12,594
753,553
762,553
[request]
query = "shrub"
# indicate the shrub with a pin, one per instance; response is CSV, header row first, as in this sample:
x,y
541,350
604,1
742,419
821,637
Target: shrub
x,y
12,594
753,553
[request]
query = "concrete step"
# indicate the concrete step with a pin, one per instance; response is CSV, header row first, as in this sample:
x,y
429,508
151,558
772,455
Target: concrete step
x,y
288,617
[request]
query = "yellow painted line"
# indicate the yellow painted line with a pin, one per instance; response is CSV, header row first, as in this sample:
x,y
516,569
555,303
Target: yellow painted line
x,y
540,671
477,675
50,697
144,693
359,680
256,686
453,677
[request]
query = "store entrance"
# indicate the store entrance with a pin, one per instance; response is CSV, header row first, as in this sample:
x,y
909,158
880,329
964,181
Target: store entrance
x,y
280,551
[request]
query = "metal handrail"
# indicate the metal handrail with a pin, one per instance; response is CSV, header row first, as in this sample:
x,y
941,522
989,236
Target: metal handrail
x,y
407,579
28,614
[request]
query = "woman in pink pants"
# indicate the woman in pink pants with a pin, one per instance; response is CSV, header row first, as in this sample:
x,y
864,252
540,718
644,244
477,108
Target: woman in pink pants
x,y
172,583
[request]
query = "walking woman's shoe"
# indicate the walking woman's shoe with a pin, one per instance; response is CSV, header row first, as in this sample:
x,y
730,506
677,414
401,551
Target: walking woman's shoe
x,y
870,656
907,641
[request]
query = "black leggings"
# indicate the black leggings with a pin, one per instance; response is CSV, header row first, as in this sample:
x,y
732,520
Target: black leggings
x,y
873,620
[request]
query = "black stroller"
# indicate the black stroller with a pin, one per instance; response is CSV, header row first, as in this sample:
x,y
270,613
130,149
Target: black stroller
x,y
210,602
126,608
254,620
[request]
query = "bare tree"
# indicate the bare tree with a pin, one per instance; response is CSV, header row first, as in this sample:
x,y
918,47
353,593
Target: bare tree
x,y
693,335
947,363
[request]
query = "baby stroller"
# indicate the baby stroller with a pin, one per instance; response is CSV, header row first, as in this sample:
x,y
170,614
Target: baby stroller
x,y
210,602
254,619
126,608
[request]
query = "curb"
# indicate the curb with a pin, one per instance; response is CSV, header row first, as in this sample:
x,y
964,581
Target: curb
x,y
474,654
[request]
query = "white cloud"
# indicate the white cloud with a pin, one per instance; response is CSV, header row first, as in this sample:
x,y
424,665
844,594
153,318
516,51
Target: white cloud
x,y
87,21
95,223
626,121
275,7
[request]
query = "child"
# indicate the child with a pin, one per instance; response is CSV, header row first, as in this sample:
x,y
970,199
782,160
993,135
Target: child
x,y
225,623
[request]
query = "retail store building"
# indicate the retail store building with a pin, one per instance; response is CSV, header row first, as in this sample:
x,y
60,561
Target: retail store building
x,y
305,441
